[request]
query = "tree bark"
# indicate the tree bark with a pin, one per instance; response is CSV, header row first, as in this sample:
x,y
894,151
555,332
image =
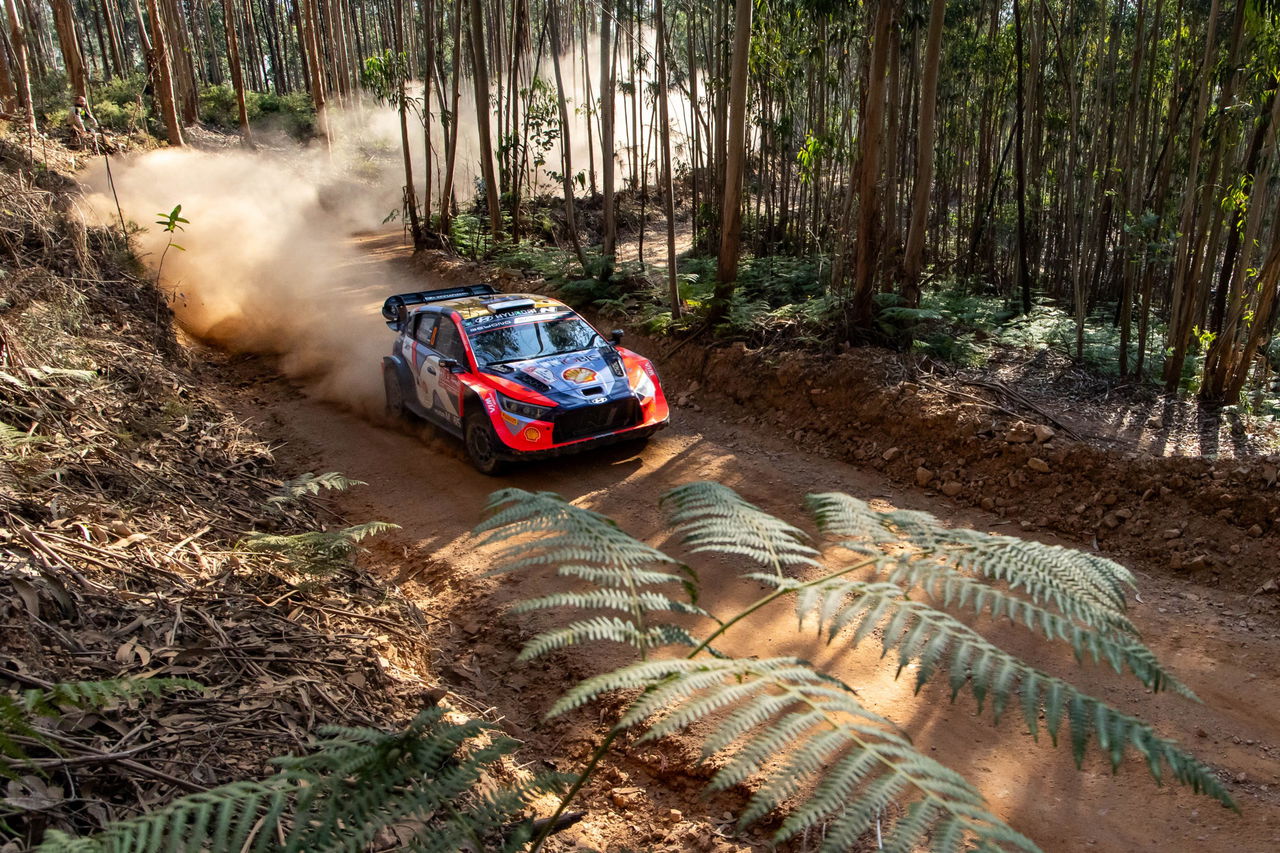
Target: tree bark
x,y
609,238
481,80
1020,166
21,72
913,259
735,162
451,145
566,143
233,60
72,58
870,139
164,76
668,184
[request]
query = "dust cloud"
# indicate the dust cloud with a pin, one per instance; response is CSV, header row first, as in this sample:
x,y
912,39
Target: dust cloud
x,y
268,263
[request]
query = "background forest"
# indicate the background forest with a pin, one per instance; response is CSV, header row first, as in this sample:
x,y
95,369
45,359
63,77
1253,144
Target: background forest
x,y
1100,176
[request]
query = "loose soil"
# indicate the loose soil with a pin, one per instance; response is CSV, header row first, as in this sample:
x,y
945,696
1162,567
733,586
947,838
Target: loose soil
x,y
778,428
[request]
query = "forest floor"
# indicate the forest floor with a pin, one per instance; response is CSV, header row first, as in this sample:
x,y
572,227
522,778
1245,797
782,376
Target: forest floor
x,y
776,431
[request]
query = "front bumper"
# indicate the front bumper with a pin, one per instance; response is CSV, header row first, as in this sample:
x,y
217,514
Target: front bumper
x,y
643,430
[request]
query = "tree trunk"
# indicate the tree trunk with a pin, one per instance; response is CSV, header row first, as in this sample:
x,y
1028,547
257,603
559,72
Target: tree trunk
x,y
735,162
566,144
1020,167
72,58
1182,317
428,23
481,80
233,60
21,73
609,238
398,73
164,76
926,129
451,146
310,39
668,184
870,140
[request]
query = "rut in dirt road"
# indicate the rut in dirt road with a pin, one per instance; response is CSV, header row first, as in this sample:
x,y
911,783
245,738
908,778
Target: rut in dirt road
x,y
1224,646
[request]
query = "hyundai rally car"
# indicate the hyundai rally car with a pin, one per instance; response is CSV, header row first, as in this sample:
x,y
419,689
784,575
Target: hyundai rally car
x,y
515,376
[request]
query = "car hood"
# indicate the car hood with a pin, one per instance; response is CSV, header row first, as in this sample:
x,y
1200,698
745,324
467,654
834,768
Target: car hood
x,y
585,375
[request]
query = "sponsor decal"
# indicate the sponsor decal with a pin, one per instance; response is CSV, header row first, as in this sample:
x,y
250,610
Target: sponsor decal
x,y
579,375
521,315
512,423
597,400
540,373
489,405
532,434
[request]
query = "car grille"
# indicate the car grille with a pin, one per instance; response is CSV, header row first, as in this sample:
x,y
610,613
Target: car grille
x,y
593,420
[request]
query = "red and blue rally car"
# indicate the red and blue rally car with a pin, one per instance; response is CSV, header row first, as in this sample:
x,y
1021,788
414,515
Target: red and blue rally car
x,y
516,376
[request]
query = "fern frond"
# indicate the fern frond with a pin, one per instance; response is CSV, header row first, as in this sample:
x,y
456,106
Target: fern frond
x,y
841,516
316,551
712,517
627,575
953,589
609,599
1082,586
313,484
797,729
11,436
933,640
608,628
430,776
18,711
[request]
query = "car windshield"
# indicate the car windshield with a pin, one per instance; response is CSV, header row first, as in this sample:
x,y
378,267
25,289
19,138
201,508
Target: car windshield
x,y
524,340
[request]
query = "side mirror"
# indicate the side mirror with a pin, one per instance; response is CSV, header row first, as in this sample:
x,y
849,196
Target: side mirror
x,y
615,337
449,365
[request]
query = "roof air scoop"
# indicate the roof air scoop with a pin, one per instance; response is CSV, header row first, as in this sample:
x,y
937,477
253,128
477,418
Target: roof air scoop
x,y
510,305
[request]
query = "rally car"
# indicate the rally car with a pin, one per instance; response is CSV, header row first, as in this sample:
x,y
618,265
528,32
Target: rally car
x,y
515,376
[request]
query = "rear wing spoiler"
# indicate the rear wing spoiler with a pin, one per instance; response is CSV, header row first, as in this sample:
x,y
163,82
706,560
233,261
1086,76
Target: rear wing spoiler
x,y
396,309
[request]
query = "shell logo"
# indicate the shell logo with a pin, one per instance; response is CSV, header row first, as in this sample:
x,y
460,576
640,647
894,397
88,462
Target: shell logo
x,y
532,434
579,375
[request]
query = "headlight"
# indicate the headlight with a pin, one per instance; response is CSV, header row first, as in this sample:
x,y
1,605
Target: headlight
x,y
644,386
524,410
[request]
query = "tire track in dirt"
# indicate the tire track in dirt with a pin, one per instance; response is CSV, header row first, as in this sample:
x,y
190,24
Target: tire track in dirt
x,y
1225,646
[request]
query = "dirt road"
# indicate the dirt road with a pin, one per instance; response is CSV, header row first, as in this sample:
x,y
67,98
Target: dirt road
x,y
1226,647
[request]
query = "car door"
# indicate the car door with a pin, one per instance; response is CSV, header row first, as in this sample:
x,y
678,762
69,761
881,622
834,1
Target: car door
x,y
446,388
436,338
418,346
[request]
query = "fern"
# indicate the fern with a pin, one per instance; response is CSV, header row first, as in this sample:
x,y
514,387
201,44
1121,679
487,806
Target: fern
x,y
427,778
800,735
319,552
19,711
712,517
789,729
621,574
313,484
933,640
1082,586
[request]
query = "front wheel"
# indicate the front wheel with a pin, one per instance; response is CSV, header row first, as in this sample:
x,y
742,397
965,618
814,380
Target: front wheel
x,y
482,445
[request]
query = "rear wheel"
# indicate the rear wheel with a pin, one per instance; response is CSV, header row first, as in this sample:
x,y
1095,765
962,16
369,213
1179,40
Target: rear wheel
x,y
396,410
482,445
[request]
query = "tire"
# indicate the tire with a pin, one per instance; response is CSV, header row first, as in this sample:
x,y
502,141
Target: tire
x,y
396,410
482,445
